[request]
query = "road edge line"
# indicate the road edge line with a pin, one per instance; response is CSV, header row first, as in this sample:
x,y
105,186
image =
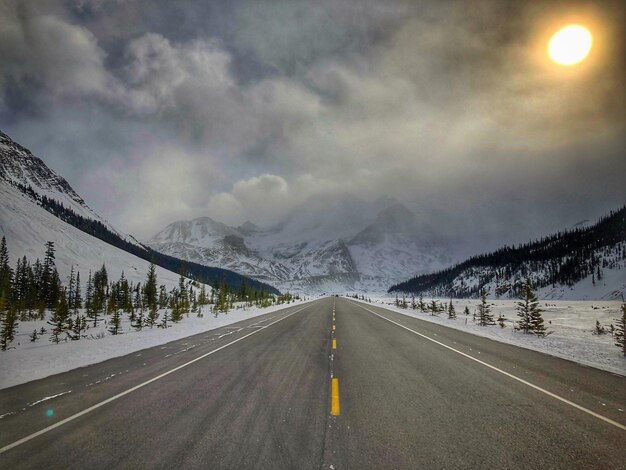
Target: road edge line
x,y
136,387
514,377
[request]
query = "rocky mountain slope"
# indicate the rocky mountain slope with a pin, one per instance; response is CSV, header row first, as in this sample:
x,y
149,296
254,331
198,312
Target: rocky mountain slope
x,y
586,262
37,205
327,244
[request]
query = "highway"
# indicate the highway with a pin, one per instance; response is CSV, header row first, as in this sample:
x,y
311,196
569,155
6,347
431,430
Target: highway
x,y
333,384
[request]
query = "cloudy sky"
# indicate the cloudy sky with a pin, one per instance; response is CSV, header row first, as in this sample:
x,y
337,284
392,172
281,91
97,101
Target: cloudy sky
x,y
157,110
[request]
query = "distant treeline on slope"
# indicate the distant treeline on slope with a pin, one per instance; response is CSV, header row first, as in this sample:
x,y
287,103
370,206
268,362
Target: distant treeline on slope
x,y
208,275
560,259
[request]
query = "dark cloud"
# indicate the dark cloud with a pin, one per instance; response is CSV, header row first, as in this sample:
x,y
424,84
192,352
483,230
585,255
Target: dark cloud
x,y
159,110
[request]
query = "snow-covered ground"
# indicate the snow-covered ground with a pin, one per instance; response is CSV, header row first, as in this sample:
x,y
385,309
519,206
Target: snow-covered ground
x,y
571,322
27,227
27,361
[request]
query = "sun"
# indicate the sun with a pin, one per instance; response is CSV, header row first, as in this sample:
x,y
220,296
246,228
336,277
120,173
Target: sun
x,y
570,45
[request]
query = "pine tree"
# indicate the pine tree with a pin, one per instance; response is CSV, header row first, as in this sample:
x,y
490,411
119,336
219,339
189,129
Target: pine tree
x,y
466,311
90,303
175,306
5,273
620,329
451,311
139,321
485,317
59,318
71,287
434,309
150,295
421,304
527,308
34,336
49,287
183,297
116,321
78,299
165,319
501,320
8,328
599,329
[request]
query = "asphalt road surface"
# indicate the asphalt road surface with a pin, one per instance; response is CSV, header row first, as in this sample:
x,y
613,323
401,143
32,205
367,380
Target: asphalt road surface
x,y
330,384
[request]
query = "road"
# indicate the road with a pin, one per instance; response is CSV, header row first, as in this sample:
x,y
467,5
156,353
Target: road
x,y
276,391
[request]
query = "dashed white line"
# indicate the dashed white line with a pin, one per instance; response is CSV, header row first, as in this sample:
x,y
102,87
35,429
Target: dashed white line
x,y
136,387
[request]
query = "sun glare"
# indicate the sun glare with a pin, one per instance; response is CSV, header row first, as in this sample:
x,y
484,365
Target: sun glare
x,y
570,45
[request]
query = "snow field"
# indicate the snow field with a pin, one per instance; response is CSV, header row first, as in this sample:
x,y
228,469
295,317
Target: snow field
x,y
571,323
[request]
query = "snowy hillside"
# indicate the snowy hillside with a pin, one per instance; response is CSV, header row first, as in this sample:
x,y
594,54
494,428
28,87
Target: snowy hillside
x,y
584,263
21,169
27,227
37,205
322,245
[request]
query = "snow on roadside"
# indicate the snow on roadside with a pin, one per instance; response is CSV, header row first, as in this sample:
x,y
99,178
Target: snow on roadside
x,y
571,323
42,358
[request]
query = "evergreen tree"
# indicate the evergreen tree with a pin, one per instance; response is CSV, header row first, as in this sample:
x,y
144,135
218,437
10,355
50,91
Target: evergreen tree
x,y
162,297
434,309
34,336
527,309
466,311
139,321
620,329
78,299
93,313
59,318
71,287
116,321
150,295
165,319
49,283
451,311
8,328
183,297
6,274
485,317
100,287
501,320
421,304
599,329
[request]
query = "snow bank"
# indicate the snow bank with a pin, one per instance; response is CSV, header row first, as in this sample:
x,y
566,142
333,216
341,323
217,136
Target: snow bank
x,y
42,358
571,323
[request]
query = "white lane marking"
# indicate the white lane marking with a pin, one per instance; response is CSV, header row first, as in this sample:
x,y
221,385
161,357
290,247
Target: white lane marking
x,y
514,377
136,387
49,398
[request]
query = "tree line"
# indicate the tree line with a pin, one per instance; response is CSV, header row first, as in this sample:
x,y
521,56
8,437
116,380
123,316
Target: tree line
x,y
201,273
34,291
561,259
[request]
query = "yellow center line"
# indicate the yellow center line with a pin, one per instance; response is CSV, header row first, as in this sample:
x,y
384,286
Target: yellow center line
x,y
334,407
334,344
333,327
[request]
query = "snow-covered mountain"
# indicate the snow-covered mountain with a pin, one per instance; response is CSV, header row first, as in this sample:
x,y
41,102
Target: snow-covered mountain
x,y
37,205
27,226
28,173
327,244
587,262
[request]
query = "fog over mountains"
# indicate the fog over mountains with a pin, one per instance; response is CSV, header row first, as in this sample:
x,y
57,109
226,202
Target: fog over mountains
x,y
326,244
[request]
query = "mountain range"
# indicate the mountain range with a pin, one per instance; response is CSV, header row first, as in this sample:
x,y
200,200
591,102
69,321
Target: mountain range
x,y
37,205
587,261
330,243
327,244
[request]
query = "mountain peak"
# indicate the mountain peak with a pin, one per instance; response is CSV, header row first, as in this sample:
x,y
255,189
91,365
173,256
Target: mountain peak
x,y
396,215
248,227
